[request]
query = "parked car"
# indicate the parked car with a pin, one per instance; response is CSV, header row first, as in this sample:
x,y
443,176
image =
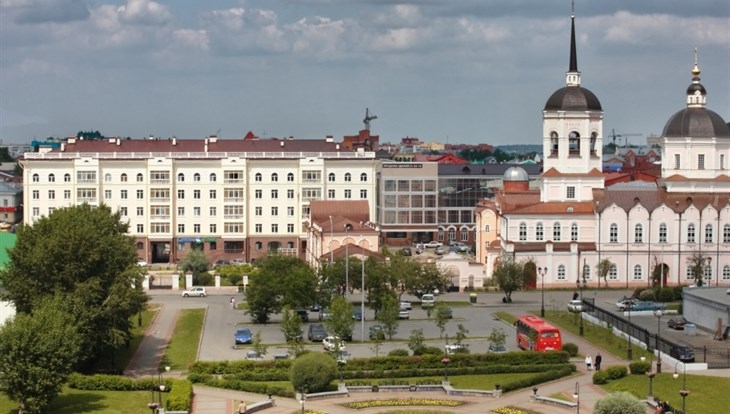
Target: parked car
x,y
316,333
420,248
647,306
324,314
243,336
220,262
677,323
404,314
303,315
497,349
625,303
463,247
333,343
357,315
433,244
376,331
238,262
315,308
406,251
405,305
195,291
440,250
427,301
455,348
575,306
254,356
682,353
142,263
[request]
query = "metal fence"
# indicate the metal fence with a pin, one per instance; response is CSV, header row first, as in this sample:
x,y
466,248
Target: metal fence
x,y
714,357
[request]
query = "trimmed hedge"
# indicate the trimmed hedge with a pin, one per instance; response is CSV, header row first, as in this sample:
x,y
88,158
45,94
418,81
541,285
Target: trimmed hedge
x,y
398,353
570,348
600,377
639,368
247,386
538,378
613,373
180,397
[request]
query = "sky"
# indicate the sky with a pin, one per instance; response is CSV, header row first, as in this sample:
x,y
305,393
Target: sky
x,y
454,71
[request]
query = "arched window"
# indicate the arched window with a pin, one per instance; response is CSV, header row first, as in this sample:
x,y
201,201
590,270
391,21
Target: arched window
x,y
637,272
613,272
726,233
36,178
539,232
594,136
51,178
556,231
331,177
140,178
561,272
274,177
726,272
67,178
574,143
662,233
709,236
257,246
586,271
487,228
553,144
638,233
212,177
691,233
290,177
107,177
348,177
708,272
181,178
257,177
123,178
196,177
523,231
363,177
613,233
574,232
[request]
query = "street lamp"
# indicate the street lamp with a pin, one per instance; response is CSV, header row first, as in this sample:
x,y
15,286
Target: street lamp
x,y
650,375
347,262
576,396
581,286
683,392
332,238
160,385
629,351
709,274
658,313
445,361
542,272
362,295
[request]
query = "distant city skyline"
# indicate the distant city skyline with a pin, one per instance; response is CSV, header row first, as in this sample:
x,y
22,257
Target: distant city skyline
x,y
470,71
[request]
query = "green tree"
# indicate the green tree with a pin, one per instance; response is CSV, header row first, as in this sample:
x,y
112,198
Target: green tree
x,y
37,352
497,338
442,316
461,333
340,323
510,276
85,253
388,315
196,262
620,402
291,325
312,372
698,263
416,342
377,343
257,346
602,268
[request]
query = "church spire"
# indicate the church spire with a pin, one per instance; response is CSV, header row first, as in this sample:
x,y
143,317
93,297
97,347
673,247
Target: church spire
x,y
696,93
572,77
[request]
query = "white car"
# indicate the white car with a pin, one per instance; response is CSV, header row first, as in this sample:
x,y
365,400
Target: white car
x,y
575,306
455,348
427,301
142,263
333,343
433,244
195,291
405,305
404,314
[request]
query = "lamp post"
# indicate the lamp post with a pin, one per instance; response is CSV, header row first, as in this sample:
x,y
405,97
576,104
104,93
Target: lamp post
x,y
332,238
362,296
302,398
541,271
347,262
709,274
658,313
650,374
581,286
445,361
576,396
683,392
629,351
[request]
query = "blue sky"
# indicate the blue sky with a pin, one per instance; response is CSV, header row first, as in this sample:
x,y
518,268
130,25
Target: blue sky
x,y
470,71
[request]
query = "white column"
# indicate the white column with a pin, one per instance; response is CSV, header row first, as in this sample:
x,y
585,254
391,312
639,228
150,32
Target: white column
x,y
188,280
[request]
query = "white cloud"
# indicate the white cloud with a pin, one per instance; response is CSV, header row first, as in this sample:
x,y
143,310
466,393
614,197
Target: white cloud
x,y
318,36
628,28
144,12
45,11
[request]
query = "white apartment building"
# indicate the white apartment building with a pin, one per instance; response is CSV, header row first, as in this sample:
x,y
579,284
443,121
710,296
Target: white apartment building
x,y
230,198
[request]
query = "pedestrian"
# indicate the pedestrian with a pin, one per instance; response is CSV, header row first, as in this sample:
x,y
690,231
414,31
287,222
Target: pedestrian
x,y
659,409
233,302
575,295
589,362
241,408
599,358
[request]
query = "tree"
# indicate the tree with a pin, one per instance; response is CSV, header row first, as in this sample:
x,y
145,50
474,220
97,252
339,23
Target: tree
x,y
257,346
416,342
510,276
620,402
602,268
312,372
443,314
340,323
377,343
196,262
497,337
388,315
85,253
697,264
37,352
461,333
291,325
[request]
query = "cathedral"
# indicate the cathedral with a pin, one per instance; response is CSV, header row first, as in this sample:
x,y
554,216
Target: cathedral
x,y
664,232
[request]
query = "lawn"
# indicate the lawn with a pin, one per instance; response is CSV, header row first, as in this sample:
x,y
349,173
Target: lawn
x,y
182,350
125,355
506,316
706,394
98,402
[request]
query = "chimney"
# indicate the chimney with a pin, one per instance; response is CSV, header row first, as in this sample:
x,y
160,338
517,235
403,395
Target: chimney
x,y
330,138
213,139
174,141
119,142
281,143
63,147
337,147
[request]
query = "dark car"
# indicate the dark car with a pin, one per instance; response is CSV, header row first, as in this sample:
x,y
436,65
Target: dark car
x,y
677,323
303,315
243,336
682,353
357,315
316,333
376,331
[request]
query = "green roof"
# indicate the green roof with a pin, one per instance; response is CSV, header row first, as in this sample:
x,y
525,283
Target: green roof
x,y
7,241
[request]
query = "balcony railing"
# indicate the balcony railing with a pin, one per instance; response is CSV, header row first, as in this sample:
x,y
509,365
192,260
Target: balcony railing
x,y
160,181
160,199
232,180
233,199
233,217
87,200
160,217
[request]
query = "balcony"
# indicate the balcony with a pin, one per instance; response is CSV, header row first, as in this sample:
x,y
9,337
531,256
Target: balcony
x,y
233,180
160,181
233,200
86,181
89,200
160,199
160,217
233,217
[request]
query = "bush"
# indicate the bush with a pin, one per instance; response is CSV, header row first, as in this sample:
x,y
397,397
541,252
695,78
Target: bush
x,y
538,379
181,396
431,350
666,294
647,294
619,403
639,368
398,353
678,292
616,372
313,372
571,349
600,377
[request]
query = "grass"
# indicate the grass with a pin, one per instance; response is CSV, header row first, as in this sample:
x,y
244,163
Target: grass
x,y
706,394
414,411
597,335
506,316
561,396
98,402
182,350
511,409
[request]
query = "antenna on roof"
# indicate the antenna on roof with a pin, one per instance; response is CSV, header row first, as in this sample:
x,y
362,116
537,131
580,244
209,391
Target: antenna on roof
x,y
218,132
368,118
614,135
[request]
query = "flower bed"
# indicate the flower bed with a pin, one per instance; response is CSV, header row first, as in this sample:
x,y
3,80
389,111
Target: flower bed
x,y
514,410
357,405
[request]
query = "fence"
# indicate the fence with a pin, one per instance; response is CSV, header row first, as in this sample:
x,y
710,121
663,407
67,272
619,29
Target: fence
x,y
714,357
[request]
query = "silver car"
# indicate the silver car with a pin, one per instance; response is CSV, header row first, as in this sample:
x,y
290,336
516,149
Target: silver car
x,y
198,291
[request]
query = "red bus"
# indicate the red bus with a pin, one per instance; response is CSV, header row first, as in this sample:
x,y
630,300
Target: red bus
x,y
534,334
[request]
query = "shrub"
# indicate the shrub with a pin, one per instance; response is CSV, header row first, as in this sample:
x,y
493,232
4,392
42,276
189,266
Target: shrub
x,y
181,396
647,294
637,291
432,350
570,348
600,377
537,379
398,353
313,372
616,372
666,294
678,292
639,368
619,403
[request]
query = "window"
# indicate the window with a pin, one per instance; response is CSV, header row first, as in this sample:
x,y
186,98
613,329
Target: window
x,y
274,177
258,228
464,235
196,177
290,211
196,228
66,194
212,211
452,235
708,272
574,232
701,161
257,177
441,235
330,193
140,228
213,228
258,246
523,232
488,228
274,211
638,233
363,177
570,192
290,194
212,194
52,178
613,233
331,177
573,143
290,228
662,233
348,193
123,211
181,211
561,272
726,272
140,211
274,194
258,211
726,233
181,178
86,176
107,194
140,194
637,272
181,194
196,211
36,211
52,194
691,233
556,231
587,271
181,228
539,232
709,236
676,161
196,194
613,272
212,178
51,210
290,177
123,178
363,193
140,178
348,177
36,178
258,194
274,228
689,274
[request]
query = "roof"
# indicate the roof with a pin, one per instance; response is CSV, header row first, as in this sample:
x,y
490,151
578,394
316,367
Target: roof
x,y
573,98
552,172
713,294
496,170
626,197
696,123
342,212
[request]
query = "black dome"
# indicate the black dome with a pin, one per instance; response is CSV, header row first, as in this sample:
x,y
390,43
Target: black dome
x,y
696,123
693,87
573,98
